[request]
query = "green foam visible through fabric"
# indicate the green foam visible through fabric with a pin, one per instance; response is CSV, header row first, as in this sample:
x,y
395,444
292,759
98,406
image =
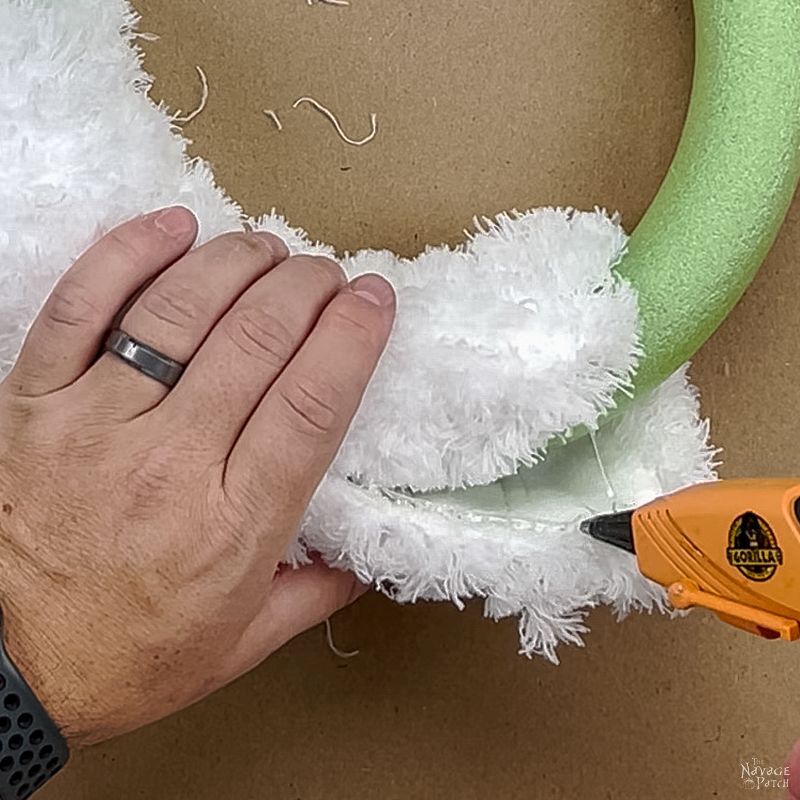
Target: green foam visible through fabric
x,y
730,185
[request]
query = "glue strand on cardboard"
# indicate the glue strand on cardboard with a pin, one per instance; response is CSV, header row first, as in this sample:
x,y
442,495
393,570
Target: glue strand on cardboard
x,y
203,101
610,493
336,124
332,646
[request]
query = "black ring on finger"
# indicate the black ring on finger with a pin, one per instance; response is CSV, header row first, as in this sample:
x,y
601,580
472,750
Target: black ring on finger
x,y
144,359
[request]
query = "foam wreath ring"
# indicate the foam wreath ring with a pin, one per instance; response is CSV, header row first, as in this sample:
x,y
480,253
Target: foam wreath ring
x,y
730,184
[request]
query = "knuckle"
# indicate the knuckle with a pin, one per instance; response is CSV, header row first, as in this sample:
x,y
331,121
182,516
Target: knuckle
x,y
236,518
20,412
71,305
20,422
310,406
148,482
230,527
259,334
175,304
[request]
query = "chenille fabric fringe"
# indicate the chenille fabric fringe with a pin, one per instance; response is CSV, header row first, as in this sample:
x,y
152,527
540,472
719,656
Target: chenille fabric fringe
x,y
454,481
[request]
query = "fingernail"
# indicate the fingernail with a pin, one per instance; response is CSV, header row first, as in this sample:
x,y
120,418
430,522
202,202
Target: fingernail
x,y
275,244
373,289
175,221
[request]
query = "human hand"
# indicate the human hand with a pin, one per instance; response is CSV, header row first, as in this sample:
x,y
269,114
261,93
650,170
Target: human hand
x,y
793,771
141,528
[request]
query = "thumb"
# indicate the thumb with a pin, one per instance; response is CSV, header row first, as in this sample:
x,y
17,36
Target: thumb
x,y
298,600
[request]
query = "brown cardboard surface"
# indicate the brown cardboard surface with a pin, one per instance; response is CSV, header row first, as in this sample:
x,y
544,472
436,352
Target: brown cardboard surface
x,y
482,107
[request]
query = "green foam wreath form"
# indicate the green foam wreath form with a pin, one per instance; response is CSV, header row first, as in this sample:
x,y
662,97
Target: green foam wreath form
x,y
730,185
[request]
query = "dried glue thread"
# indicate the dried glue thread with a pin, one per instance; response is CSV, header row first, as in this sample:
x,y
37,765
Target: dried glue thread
x,y
203,101
610,493
332,117
274,117
333,648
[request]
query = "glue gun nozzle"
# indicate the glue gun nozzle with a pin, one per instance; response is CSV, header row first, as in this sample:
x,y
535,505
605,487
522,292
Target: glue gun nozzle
x,y
616,529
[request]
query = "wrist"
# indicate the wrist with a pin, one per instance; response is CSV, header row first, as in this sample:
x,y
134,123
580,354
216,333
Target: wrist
x,y
36,664
28,614
32,748
80,671
33,664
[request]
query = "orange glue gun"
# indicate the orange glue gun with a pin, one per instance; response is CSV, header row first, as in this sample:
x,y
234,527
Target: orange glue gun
x,y
729,546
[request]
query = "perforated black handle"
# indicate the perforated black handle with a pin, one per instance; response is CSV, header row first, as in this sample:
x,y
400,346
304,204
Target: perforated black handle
x,y
32,749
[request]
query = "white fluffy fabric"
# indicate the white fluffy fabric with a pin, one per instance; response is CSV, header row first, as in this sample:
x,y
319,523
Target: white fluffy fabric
x,y
442,489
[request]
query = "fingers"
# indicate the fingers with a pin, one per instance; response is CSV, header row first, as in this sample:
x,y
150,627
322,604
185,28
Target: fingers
x,y
294,433
176,313
250,347
67,334
299,600
794,772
